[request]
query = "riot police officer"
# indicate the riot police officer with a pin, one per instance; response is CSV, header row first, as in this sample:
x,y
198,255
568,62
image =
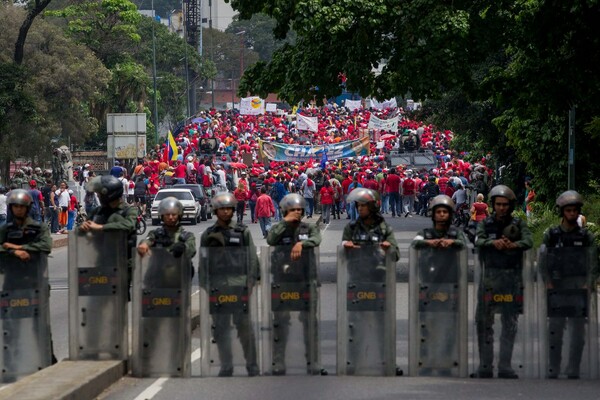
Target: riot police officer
x,y
366,242
20,239
23,235
228,272
171,235
294,261
370,227
566,272
162,334
113,214
501,240
438,279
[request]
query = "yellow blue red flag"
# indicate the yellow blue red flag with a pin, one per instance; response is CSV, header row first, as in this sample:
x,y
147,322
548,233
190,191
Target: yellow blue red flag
x,y
172,151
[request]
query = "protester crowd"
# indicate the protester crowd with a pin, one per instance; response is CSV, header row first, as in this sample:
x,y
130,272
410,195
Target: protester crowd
x,y
220,151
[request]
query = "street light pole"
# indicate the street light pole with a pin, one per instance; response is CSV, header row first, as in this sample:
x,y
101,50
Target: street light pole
x,y
154,75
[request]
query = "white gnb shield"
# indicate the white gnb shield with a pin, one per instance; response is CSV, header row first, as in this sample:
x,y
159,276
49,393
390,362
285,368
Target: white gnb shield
x,y
438,312
505,318
568,312
24,316
366,281
98,291
228,306
290,311
161,315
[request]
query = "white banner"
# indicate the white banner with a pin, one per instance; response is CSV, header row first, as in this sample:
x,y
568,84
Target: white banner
x,y
307,123
383,124
352,105
391,103
252,106
271,107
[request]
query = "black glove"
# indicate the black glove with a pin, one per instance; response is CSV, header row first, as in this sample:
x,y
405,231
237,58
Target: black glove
x,y
178,249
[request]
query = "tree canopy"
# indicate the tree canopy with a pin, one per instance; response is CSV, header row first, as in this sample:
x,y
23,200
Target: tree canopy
x,y
517,67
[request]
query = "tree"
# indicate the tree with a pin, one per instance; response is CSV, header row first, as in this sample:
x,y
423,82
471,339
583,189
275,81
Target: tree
x,y
259,36
228,53
34,7
107,27
45,98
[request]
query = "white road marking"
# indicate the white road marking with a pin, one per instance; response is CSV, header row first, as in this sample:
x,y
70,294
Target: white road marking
x,y
196,354
152,390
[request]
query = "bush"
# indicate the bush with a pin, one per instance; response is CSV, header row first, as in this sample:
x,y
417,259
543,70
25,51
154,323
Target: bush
x,y
544,216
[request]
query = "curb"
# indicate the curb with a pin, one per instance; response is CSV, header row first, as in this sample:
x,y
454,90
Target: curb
x,y
60,241
67,380
76,380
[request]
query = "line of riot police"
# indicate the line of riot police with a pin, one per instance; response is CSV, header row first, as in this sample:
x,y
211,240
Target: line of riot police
x,y
282,335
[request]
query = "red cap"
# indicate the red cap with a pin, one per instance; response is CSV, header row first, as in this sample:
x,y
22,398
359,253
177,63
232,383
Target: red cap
x,y
32,183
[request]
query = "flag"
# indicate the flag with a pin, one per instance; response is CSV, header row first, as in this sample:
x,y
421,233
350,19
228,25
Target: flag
x,y
172,152
324,160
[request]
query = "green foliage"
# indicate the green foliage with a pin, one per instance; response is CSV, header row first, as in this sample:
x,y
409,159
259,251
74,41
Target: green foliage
x,y
259,35
544,216
107,27
227,52
47,98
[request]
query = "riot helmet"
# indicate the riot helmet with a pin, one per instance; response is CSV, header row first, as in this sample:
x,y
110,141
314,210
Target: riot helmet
x,y
223,200
365,196
19,196
503,191
170,205
290,201
108,188
441,201
568,198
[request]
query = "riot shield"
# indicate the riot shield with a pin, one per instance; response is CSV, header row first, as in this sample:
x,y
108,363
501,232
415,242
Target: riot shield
x,y
161,315
438,312
290,311
98,292
504,314
227,293
366,282
568,312
24,315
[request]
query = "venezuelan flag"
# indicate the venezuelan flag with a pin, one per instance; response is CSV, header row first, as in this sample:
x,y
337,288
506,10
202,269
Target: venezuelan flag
x,y
171,148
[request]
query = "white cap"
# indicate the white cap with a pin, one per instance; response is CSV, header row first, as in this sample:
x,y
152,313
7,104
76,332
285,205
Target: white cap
x,y
70,191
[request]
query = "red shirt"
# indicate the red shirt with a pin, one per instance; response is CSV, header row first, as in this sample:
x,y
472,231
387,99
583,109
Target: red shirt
x,y
264,206
409,187
442,183
180,171
72,203
345,183
393,183
371,184
481,211
326,195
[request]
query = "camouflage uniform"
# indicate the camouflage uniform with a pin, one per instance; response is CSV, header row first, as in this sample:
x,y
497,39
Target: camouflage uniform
x,y
502,274
284,236
231,271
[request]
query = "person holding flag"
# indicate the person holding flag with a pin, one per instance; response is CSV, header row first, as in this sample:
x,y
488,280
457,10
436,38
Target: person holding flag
x,y
171,150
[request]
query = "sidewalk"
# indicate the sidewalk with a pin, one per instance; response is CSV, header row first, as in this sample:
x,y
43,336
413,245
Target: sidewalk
x,y
59,240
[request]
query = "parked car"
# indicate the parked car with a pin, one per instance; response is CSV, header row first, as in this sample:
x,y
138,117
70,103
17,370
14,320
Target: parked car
x,y
191,208
201,196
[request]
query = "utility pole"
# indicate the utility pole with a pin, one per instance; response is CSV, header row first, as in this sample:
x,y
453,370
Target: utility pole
x,y
212,50
571,172
154,75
